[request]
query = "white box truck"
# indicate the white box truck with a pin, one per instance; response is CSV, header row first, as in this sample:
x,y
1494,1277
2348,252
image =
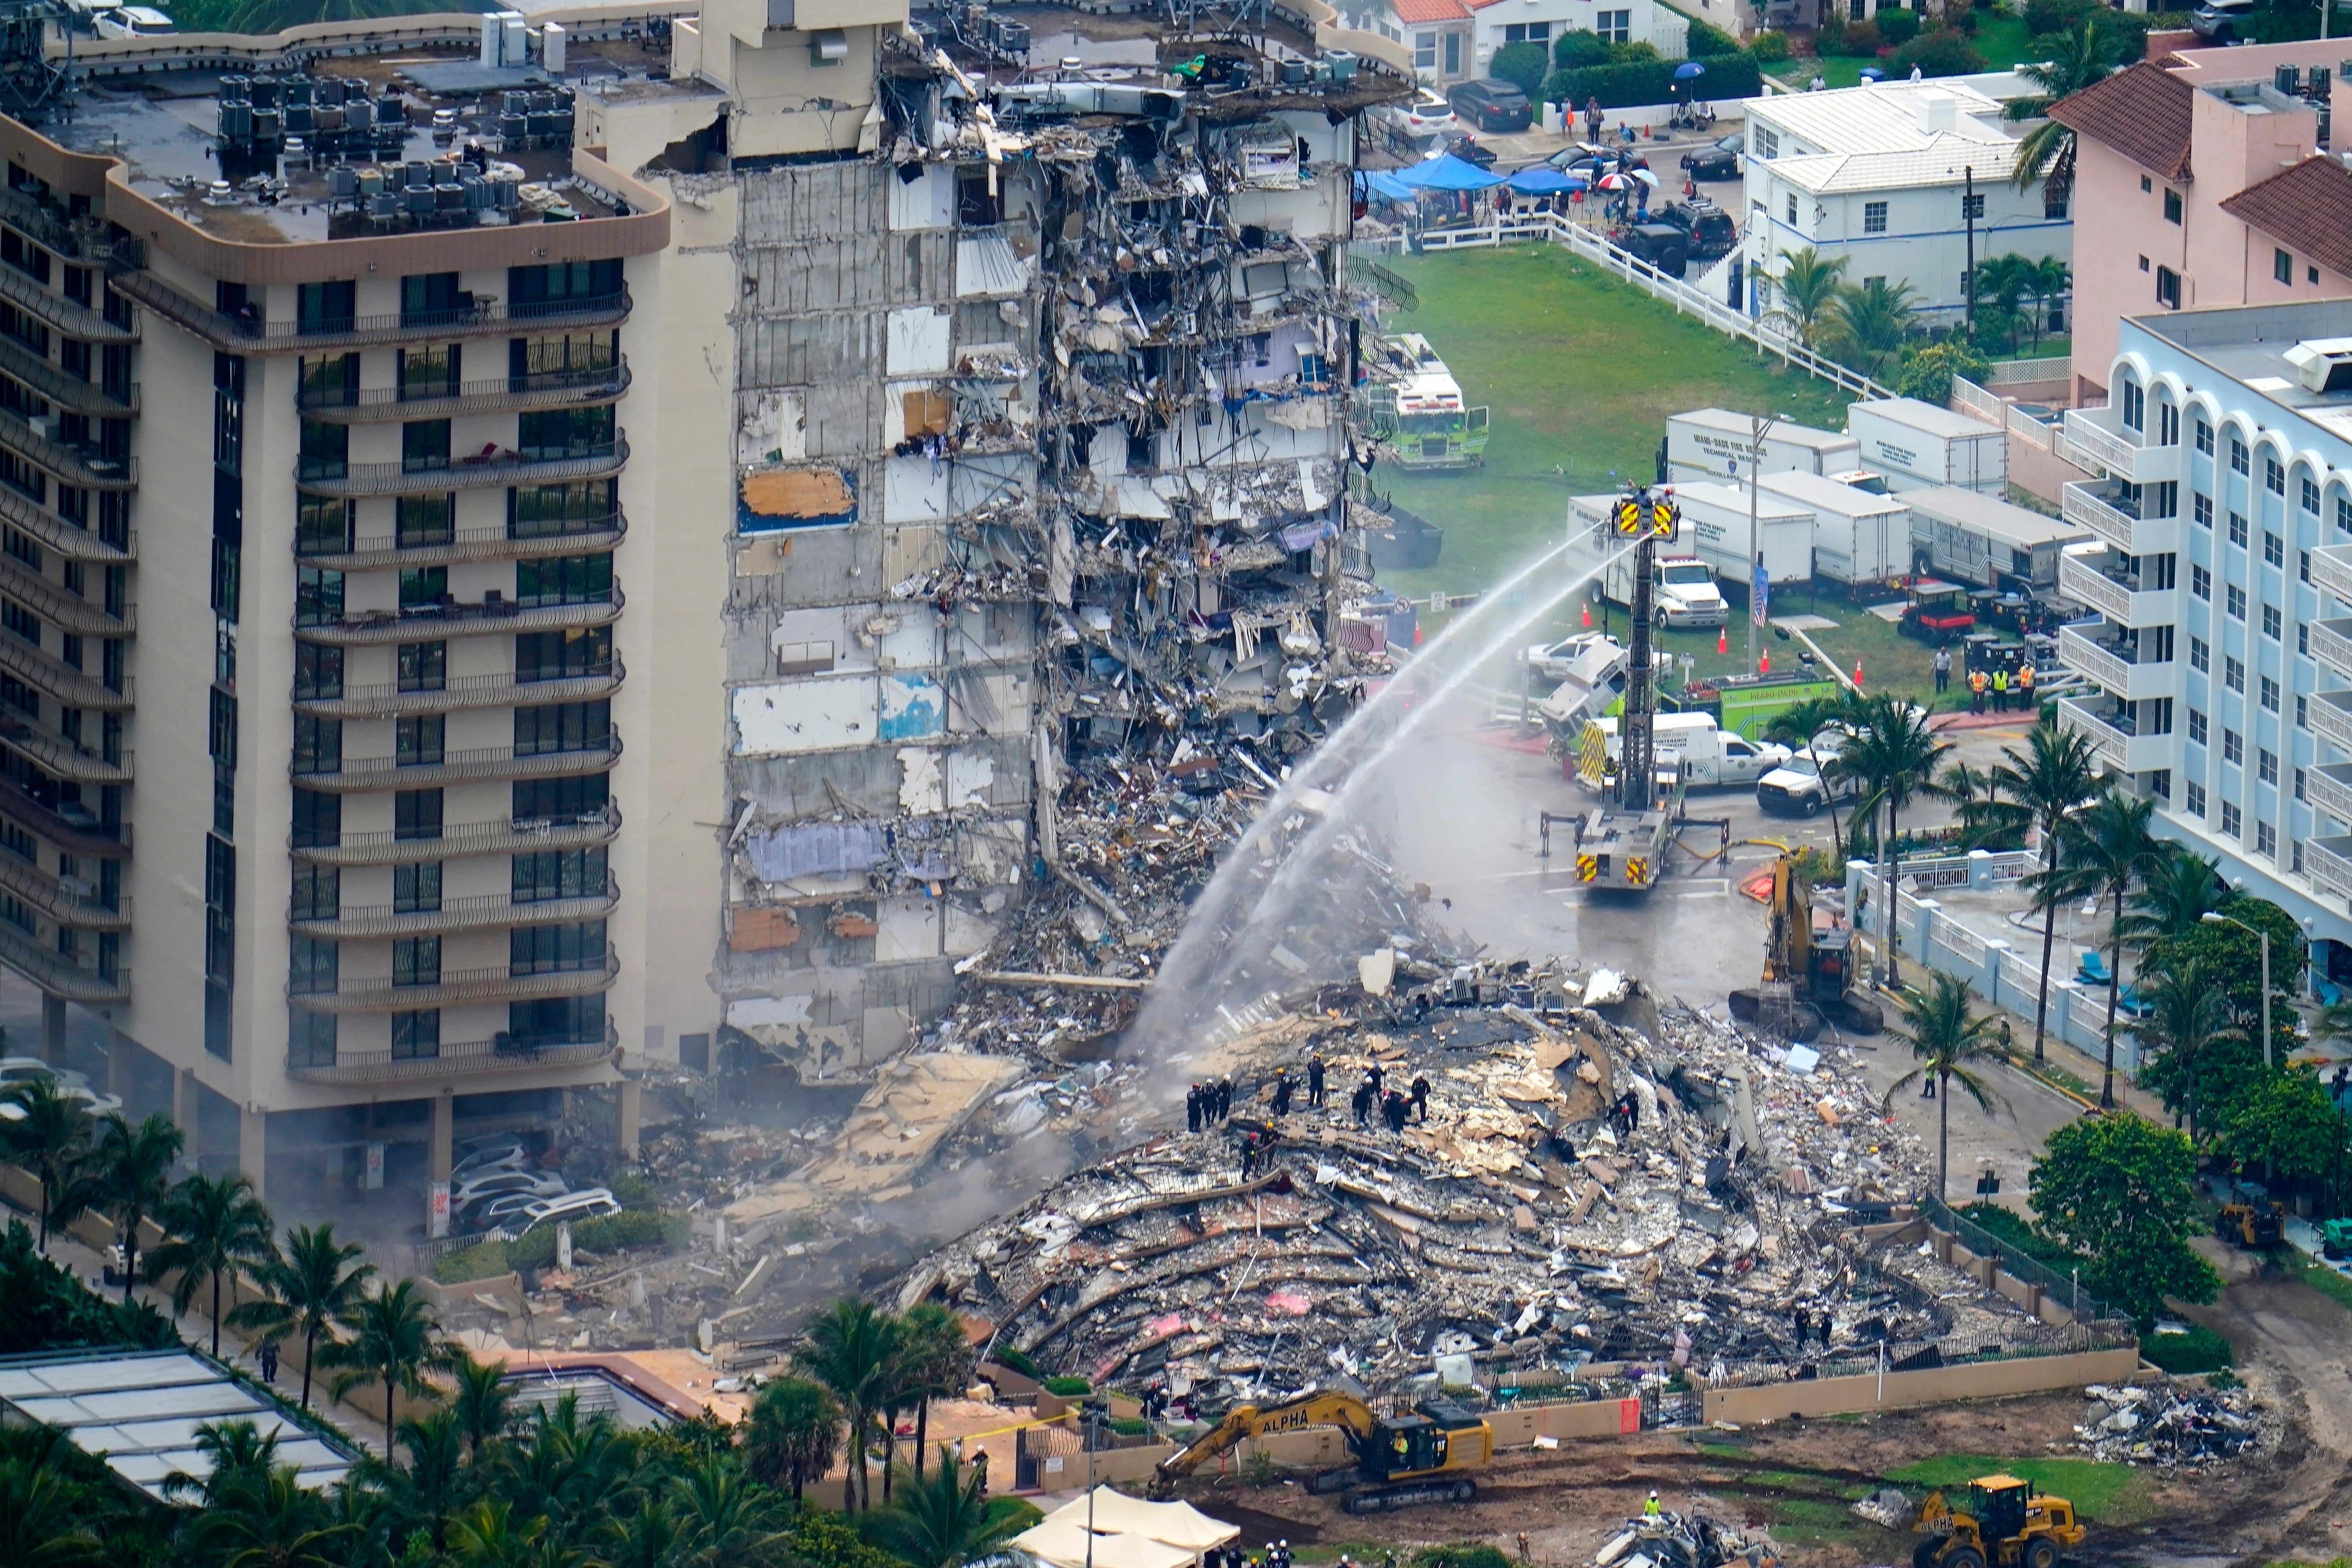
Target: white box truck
x,y
1916,445
1859,536
1973,537
1712,444
1681,588
1714,530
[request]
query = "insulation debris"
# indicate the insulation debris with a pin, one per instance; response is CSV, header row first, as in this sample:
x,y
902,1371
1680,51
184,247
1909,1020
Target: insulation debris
x,y
2168,1425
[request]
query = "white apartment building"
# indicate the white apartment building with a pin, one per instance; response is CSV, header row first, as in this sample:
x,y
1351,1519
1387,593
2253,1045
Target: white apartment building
x,y
1891,179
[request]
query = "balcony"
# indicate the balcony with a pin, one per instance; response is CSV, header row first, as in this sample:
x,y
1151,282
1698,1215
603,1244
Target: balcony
x,y
2331,572
2097,434
2330,715
2328,788
84,465
485,913
390,701
455,987
493,470
502,1055
2331,645
452,619
2113,663
61,680
61,313
75,829
58,975
498,542
67,611
2103,509
504,836
61,758
364,774
2328,863
67,392
68,540
566,389
251,335
2113,734
2105,586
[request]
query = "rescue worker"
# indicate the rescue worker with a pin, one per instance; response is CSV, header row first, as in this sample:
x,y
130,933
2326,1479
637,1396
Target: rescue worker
x,y
2026,686
1393,1108
1928,1082
1192,1109
1420,1099
1362,1101
1376,1075
1314,1081
1976,691
1225,1098
1649,1509
1282,1092
2000,691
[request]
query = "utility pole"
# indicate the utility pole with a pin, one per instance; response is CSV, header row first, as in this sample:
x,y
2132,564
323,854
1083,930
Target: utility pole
x,y
1969,221
1759,426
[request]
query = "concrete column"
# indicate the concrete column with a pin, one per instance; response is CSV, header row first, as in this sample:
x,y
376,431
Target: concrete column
x,y
184,1108
441,1157
1994,952
252,1142
1979,868
632,1113
119,1048
53,1029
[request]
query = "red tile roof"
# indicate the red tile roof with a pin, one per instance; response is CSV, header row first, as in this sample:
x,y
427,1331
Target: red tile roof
x,y
1411,11
2307,208
2142,112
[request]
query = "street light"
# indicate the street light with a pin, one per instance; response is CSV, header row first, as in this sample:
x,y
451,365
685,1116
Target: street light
x,y
1759,426
2212,918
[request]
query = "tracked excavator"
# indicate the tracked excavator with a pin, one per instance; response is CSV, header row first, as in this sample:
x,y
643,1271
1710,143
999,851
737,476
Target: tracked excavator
x,y
1400,1460
1807,965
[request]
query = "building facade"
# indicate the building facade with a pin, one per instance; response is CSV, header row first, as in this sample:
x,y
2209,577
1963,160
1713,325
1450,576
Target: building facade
x,y
1454,41
2222,580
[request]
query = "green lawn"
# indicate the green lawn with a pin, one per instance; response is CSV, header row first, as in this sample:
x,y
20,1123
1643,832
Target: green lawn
x,y
2101,1493
2001,40
1581,371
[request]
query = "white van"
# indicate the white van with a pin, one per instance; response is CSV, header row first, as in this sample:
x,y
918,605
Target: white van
x,y
1710,759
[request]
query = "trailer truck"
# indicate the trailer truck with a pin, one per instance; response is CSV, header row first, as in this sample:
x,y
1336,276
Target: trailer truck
x,y
1859,537
1713,444
1917,445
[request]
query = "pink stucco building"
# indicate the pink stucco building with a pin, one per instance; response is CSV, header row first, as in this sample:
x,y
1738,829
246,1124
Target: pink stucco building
x,y
2199,183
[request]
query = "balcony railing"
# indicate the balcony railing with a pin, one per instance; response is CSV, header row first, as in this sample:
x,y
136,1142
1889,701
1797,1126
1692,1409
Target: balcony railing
x,y
62,757
68,540
504,836
495,541
2331,572
2328,788
2114,593
60,679
390,701
2112,733
252,335
74,903
500,615
454,987
58,975
500,469
68,392
84,465
2113,662
65,611
2330,715
556,389
2103,509
502,1055
2100,440
2328,863
73,320
361,774
486,913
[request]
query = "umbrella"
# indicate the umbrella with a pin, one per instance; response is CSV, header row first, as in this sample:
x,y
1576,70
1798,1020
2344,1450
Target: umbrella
x,y
1688,70
1872,73
1615,183
1644,175
1540,181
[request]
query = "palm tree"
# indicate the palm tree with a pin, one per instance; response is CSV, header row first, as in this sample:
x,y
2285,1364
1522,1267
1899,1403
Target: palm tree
x,y
572,1470
271,1520
2056,773
850,1348
2176,894
2085,55
2048,278
130,1176
2103,849
938,1363
45,1520
1806,286
1946,1039
1893,753
485,1406
1869,323
316,1282
396,1340
646,1539
1996,286
51,1139
487,1535
942,1521
793,1434
232,1449
1986,818
429,1487
213,1227
722,1516
2191,1015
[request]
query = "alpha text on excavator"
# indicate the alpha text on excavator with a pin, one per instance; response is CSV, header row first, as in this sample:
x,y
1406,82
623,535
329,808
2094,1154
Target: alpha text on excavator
x,y
1400,1460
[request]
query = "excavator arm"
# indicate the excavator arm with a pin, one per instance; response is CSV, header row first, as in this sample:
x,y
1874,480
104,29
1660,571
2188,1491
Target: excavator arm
x,y
1315,1409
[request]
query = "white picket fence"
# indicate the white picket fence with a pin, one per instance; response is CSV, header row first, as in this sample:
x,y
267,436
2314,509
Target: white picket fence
x,y
1688,301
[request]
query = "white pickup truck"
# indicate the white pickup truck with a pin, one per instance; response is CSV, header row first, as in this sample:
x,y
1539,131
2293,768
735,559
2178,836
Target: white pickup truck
x,y
1708,757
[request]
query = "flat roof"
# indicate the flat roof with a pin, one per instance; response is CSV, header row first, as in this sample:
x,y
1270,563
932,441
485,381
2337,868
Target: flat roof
x,y
1819,490
1987,514
1742,424
139,1410
2248,343
1731,497
1946,159
1884,118
1915,415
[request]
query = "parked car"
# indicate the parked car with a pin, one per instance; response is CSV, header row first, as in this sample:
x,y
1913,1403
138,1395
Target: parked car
x,y
483,1154
1711,231
1716,162
1799,787
1661,244
2221,20
1426,114
1467,148
498,1209
1492,105
1591,160
73,1085
589,1203
499,1183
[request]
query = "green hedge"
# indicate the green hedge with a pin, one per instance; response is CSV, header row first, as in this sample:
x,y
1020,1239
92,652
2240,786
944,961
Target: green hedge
x,y
1582,47
1069,1387
1008,1357
2198,1350
536,1249
1637,83
1521,65
1705,42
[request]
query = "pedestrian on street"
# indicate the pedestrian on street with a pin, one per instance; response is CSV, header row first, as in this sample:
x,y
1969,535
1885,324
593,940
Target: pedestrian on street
x,y
268,1361
1593,119
1943,670
1192,1109
1314,1081
1420,1099
1282,1092
1362,1103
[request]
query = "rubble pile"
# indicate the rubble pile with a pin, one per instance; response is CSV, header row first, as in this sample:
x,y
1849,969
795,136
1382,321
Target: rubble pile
x,y
1671,1539
2166,1425
1586,1200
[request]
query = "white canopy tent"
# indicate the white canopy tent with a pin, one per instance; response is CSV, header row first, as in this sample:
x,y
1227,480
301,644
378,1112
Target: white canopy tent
x,y
1129,1533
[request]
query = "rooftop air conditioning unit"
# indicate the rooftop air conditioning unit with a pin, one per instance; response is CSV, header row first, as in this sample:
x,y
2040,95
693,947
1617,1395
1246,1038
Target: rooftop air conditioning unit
x,y
2323,364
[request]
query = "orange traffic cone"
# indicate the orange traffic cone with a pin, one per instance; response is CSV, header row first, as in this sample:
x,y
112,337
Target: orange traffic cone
x,y
1587,614
1857,675
1764,662
1416,633
1723,639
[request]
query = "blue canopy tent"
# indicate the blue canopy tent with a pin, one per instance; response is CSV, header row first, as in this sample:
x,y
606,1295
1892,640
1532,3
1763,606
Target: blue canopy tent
x,y
1385,185
1541,181
1448,173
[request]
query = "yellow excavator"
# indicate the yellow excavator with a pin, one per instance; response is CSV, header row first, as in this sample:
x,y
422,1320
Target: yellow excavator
x,y
1400,1460
1812,954
2003,1523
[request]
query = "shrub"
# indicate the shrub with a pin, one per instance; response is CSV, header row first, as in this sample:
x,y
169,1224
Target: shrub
x,y
2198,1350
1651,82
1132,1426
2009,1225
1897,27
1636,50
1706,41
1856,40
1464,1554
1013,1360
1942,53
1521,65
2058,16
1575,51
1928,374
1770,48
536,1249
1069,1387
486,1261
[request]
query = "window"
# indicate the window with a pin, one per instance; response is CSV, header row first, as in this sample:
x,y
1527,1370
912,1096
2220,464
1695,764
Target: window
x,y
424,520
2168,428
1768,142
2274,549
2053,201
2168,288
557,874
416,960
317,672
423,666
564,580
311,964
1454,52
2200,656
431,299
1792,207
327,306
1425,51
416,890
2202,506
1526,32
331,382
318,892
2171,206
2274,475
420,740
562,727
568,354
2233,674
538,512
556,948
423,589
2310,275
429,373
424,445
417,814
2233,746
2237,530
2343,514
553,433
318,745
325,452
2272,623
2195,727
416,1036
2235,601
2135,406
20,621
563,656
2204,437
2240,459
323,524
2159,782
317,596
2302,712
2308,492
579,799
317,819
2196,800
1874,217
2303,566
564,286
2200,582
2266,765
2299,784
2265,839
554,1021
1614,26
2283,266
